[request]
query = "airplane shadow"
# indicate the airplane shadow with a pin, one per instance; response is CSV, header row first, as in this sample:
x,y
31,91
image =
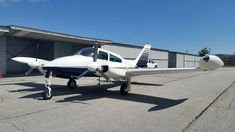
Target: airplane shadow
x,y
91,92
147,84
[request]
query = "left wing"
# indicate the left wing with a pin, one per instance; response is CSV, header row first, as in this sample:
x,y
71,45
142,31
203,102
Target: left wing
x,y
206,63
139,72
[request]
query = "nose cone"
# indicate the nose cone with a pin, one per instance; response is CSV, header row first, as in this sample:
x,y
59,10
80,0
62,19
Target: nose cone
x,y
210,62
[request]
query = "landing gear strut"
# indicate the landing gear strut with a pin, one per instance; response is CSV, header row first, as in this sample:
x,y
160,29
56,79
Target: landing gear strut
x,y
47,93
72,83
125,87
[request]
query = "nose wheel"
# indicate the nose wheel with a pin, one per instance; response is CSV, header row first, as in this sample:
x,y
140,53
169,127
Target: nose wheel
x,y
47,94
71,83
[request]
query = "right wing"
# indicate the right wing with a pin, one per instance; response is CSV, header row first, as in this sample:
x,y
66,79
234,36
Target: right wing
x,y
33,63
28,60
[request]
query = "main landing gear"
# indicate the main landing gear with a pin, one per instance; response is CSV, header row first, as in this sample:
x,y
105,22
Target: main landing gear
x,y
125,87
72,83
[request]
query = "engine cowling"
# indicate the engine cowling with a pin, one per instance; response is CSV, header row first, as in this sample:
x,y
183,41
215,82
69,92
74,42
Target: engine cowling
x,y
210,62
94,66
34,64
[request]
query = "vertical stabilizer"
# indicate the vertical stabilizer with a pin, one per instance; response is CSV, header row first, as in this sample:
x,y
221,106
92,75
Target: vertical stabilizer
x,y
143,57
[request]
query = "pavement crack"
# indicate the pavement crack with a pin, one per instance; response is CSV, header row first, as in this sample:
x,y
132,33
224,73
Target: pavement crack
x,y
28,114
230,104
205,109
15,126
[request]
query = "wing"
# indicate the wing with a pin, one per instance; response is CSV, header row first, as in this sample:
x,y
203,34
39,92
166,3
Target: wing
x,y
28,60
139,72
206,63
33,63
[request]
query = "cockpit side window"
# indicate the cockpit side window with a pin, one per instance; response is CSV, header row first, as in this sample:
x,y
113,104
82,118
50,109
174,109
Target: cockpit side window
x,y
114,58
102,55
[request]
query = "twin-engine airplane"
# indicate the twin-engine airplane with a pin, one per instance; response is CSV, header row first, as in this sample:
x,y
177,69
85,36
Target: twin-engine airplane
x,y
99,62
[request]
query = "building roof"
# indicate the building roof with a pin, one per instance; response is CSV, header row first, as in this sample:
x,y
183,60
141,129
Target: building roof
x,y
136,46
176,52
3,30
33,33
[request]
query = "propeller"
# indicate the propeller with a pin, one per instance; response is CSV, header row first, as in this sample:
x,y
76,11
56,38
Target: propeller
x,y
95,66
35,64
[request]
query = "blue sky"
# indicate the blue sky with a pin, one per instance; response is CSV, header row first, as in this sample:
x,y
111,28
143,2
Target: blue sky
x,y
177,25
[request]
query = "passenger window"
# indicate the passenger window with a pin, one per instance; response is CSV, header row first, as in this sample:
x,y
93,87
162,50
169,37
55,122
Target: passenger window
x,y
102,55
115,58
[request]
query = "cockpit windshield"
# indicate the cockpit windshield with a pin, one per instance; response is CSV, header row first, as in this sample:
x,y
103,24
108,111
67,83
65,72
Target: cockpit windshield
x,y
85,52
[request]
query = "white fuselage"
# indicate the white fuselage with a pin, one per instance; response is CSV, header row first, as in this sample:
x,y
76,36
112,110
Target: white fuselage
x,y
78,64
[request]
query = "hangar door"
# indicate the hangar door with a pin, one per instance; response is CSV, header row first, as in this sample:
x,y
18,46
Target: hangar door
x,y
23,47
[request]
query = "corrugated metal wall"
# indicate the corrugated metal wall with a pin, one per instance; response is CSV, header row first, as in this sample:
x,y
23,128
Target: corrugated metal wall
x,y
160,57
23,47
180,60
131,52
18,47
66,49
186,60
3,54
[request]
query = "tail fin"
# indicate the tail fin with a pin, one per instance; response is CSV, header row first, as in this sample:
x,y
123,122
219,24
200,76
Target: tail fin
x,y
143,57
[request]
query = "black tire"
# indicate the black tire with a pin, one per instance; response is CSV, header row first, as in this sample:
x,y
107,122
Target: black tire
x,y
123,89
46,95
72,83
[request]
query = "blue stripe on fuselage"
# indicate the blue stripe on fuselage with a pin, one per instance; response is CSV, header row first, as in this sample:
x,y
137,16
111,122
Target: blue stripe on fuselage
x,y
68,71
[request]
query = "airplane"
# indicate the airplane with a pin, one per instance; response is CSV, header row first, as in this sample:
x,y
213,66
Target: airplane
x,y
95,61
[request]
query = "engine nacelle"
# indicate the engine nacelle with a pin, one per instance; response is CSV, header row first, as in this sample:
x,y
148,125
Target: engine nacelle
x,y
34,64
116,73
210,62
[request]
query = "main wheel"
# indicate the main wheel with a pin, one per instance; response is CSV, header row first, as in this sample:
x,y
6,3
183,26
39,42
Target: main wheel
x,y
46,94
123,88
72,83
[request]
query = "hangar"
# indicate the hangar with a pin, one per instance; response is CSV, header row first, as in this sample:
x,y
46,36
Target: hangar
x,y
23,41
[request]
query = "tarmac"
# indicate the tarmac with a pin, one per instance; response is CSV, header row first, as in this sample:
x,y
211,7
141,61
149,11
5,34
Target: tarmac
x,y
185,102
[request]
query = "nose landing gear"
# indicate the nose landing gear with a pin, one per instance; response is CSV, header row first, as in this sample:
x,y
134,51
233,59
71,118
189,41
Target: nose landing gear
x,y
47,93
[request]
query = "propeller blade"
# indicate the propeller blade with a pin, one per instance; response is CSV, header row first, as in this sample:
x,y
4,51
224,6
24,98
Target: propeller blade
x,y
95,53
37,52
41,70
103,75
29,71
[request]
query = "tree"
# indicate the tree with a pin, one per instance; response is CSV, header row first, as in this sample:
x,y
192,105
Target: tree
x,y
204,51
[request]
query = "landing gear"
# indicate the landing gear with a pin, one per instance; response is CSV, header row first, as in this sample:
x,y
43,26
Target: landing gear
x,y
47,93
125,87
71,83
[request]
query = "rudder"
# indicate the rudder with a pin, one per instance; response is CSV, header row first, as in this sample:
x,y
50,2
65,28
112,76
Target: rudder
x,y
143,57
